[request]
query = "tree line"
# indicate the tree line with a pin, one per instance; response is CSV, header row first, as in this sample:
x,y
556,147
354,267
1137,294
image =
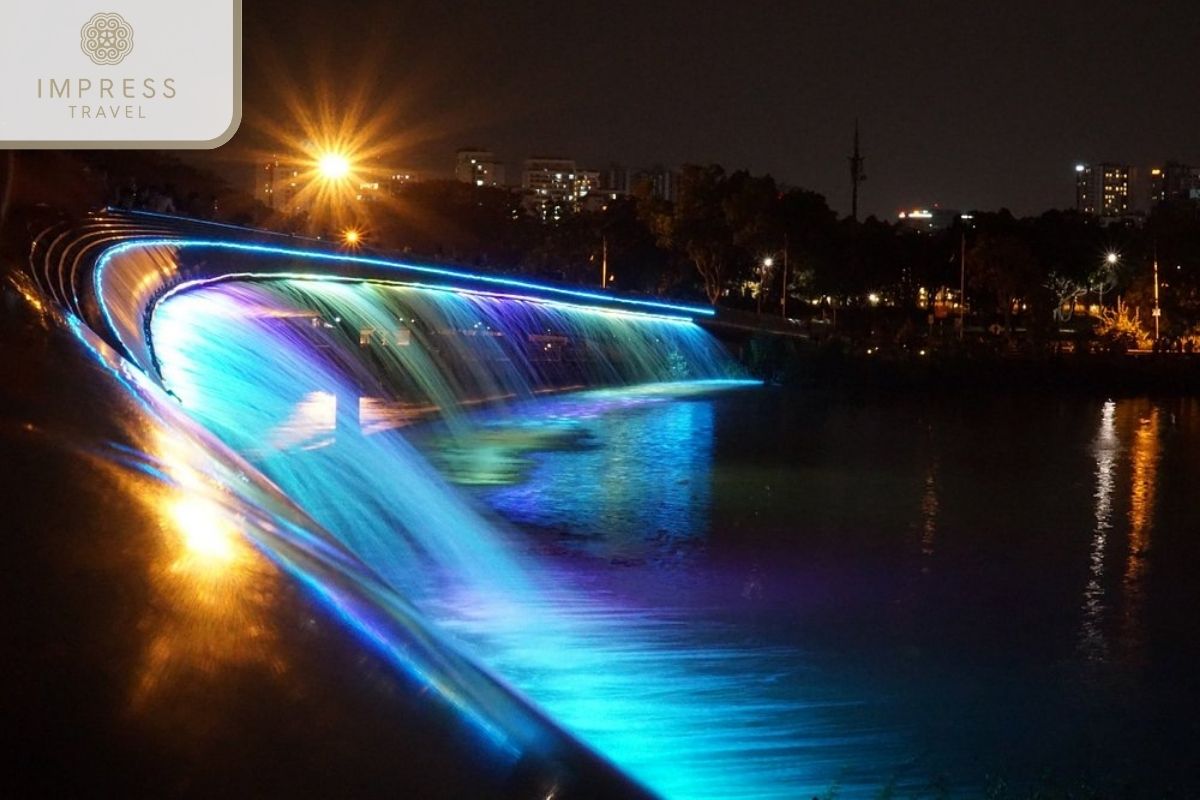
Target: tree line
x,y
714,241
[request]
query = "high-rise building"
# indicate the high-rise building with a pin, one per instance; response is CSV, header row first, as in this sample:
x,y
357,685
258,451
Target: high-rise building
x,y
587,181
381,183
553,178
555,187
1174,181
615,179
1102,189
931,219
1085,194
277,185
478,168
280,185
658,181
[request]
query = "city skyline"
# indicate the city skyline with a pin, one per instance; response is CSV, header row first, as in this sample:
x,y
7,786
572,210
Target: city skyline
x,y
1109,189
942,121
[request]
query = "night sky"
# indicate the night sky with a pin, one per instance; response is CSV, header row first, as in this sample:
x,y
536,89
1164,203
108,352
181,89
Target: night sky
x,y
965,104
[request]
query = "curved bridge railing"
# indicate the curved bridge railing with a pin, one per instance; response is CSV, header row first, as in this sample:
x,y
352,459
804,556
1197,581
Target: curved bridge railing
x,y
112,268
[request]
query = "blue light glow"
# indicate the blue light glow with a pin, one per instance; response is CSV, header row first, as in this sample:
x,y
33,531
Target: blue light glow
x,y
265,366
539,291
321,565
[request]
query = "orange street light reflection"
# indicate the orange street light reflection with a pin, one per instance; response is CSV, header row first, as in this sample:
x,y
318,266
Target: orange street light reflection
x,y
214,590
207,535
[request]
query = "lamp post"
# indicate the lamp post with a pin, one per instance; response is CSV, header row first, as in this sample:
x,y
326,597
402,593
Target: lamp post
x,y
767,263
1111,260
1157,307
783,295
603,262
962,283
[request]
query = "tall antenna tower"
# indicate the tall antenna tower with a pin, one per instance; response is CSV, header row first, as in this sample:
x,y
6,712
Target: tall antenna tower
x,y
856,174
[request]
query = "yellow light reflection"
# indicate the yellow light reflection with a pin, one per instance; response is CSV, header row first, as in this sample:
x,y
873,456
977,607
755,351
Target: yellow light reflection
x,y
1144,464
213,591
1145,451
207,535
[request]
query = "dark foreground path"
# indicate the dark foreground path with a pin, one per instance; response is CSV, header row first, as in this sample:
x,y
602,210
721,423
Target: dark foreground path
x,y
138,662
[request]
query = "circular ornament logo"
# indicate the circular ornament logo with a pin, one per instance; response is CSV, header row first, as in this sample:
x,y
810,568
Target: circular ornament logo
x,y
107,38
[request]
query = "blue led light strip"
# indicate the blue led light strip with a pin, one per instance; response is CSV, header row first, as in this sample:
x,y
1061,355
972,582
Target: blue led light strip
x,y
442,272
429,287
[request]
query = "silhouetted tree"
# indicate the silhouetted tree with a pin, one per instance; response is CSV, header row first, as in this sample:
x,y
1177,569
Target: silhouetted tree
x,y
696,225
1003,265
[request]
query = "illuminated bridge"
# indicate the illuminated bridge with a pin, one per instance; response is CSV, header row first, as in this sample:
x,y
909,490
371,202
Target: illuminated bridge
x,y
280,588
112,269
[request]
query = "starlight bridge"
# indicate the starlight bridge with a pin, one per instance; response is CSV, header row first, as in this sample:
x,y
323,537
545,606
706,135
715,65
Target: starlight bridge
x,y
112,270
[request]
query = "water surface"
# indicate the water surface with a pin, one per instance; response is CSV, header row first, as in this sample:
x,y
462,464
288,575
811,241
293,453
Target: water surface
x,y
967,593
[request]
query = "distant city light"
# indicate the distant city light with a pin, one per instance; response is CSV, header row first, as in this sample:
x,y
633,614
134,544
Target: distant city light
x,y
873,299
1112,257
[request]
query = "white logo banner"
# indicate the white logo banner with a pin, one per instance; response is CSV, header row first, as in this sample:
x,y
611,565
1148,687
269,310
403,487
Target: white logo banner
x,y
120,73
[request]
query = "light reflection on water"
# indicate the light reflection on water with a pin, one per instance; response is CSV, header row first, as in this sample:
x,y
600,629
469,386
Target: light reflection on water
x,y
598,476
213,593
684,708
999,540
1127,450
929,514
1105,447
732,583
1144,457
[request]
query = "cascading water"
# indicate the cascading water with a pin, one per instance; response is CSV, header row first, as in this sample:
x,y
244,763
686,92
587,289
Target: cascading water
x,y
312,381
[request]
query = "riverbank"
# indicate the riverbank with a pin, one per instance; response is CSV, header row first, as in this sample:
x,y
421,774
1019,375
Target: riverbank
x,y
832,367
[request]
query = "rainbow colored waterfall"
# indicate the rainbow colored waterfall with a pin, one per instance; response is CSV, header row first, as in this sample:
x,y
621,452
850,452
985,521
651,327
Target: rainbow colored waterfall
x,y
318,383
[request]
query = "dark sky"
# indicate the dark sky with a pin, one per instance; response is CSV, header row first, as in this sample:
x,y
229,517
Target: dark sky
x,y
966,104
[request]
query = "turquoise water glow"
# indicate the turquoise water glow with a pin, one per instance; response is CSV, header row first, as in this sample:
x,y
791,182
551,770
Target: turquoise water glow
x,y
278,371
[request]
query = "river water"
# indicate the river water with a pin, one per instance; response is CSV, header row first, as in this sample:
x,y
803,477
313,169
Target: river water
x,y
968,595
732,590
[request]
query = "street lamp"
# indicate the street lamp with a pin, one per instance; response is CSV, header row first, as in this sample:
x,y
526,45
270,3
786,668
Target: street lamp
x,y
1157,308
1111,259
352,237
767,263
333,166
